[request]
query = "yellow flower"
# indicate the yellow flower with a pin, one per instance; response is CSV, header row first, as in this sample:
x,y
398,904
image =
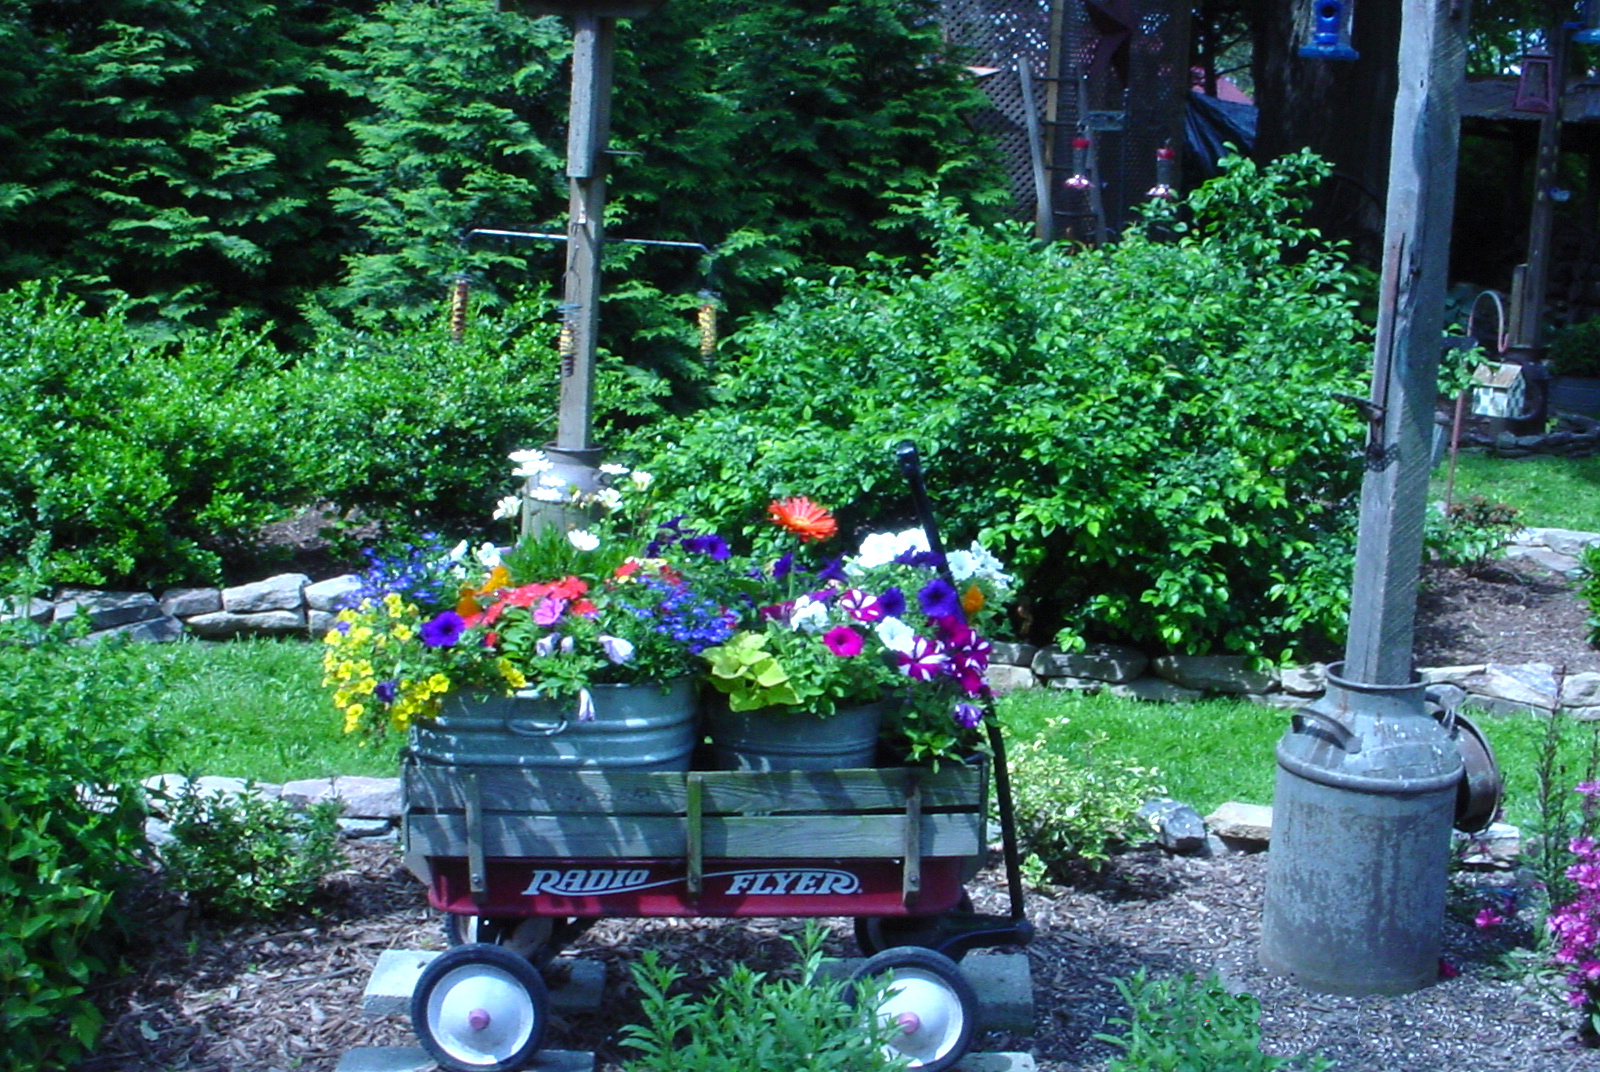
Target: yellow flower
x,y
360,634
514,677
404,632
393,602
438,683
332,636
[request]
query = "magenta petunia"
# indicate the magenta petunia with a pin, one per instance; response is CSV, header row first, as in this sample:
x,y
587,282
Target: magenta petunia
x,y
549,611
860,606
925,661
843,641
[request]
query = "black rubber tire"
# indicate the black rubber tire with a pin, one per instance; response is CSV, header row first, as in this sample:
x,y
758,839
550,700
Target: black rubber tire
x,y
457,986
929,986
874,934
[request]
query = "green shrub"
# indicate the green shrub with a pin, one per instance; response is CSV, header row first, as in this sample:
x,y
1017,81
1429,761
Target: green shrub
x,y
72,749
1146,430
1193,1025
1575,351
1589,589
1471,533
242,856
749,1020
1073,810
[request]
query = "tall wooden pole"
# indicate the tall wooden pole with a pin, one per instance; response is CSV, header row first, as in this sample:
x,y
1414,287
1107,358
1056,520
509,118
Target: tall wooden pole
x,y
1421,198
1527,319
593,46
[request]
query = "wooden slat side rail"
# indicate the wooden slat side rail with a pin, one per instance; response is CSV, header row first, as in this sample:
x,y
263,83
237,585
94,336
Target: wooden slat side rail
x,y
722,837
432,787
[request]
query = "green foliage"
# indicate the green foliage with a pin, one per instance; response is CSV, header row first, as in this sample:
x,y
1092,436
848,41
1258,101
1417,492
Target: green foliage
x,y
1188,1024
751,1020
1547,490
130,459
1575,351
1471,533
1146,431
245,855
1073,810
72,748
1589,589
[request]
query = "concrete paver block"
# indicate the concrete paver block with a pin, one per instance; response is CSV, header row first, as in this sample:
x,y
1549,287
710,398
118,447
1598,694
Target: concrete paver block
x,y
1002,981
416,1059
396,974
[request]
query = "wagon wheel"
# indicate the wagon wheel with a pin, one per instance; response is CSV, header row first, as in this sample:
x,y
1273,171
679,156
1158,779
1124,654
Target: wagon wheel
x,y
531,937
874,934
928,999
480,1008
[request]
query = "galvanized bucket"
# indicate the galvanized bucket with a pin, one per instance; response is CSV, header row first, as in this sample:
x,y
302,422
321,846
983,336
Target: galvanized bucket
x,y
773,738
647,727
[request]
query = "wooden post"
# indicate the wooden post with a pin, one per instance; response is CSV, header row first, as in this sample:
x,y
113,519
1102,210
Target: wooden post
x,y
1422,170
1529,317
589,129
1043,211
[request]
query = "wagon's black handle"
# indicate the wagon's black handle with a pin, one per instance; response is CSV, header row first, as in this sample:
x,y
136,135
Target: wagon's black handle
x,y
911,469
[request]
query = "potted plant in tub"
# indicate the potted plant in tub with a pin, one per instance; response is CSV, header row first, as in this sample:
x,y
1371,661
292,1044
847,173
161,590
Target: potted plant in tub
x,y
1574,360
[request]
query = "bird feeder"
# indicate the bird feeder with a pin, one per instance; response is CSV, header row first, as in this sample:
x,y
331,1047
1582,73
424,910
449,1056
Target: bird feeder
x,y
1079,179
1330,31
1166,174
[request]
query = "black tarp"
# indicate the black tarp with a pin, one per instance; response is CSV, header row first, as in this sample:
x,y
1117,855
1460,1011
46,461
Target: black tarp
x,y
1210,125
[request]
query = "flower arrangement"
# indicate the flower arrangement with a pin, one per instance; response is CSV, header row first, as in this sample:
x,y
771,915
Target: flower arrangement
x,y
553,615
857,629
1575,926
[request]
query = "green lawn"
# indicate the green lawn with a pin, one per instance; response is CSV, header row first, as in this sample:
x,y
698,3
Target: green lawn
x,y
1549,492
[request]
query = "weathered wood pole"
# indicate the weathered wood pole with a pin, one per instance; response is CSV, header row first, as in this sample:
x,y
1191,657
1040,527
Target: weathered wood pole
x,y
1422,170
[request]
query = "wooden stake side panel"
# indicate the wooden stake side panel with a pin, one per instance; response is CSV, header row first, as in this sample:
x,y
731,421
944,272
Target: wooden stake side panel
x,y
590,837
857,813
437,787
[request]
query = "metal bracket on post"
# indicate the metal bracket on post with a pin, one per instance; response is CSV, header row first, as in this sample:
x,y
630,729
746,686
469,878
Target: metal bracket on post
x,y
477,869
911,879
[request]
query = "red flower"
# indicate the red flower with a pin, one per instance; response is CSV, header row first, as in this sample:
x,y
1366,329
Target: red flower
x,y
803,517
568,588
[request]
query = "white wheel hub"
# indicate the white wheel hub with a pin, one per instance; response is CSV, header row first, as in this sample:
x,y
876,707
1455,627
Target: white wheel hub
x,y
480,1015
928,1014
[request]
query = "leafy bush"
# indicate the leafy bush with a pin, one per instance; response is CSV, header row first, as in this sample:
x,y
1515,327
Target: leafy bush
x,y
1073,810
1193,1025
71,838
1575,351
136,460
1471,533
244,855
1589,589
1147,430
749,1021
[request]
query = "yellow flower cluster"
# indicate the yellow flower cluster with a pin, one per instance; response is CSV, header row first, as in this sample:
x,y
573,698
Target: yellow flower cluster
x,y
366,666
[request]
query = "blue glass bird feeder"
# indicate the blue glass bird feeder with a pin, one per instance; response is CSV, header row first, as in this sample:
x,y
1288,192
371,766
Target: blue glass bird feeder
x,y
1330,31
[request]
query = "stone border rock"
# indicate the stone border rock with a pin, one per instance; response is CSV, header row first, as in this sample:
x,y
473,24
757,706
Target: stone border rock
x,y
1574,436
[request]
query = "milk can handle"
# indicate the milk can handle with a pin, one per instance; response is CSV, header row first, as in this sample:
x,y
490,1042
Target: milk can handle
x,y
1340,732
527,727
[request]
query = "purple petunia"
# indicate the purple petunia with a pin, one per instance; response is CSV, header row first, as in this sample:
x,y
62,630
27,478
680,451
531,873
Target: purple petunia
x,y
443,630
832,571
783,566
967,715
385,691
843,641
712,546
892,602
938,599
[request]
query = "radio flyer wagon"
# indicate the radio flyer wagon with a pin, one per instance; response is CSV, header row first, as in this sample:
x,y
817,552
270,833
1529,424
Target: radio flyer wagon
x,y
524,859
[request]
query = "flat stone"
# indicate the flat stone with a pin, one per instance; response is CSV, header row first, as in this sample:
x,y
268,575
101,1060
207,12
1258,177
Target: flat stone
x,y
366,828
333,594
282,592
1002,981
1451,675
1241,822
1544,558
108,609
38,611
1583,714
1074,684
303,792
187,602
1581,690
1012,653
1008,1061
319,623
368,798
1306,681
578,987
1102,662
1214,673
1525,685
416,1059
1280,700
1498,845
162,630
225,624
1565,541
1155,690
1004,678
1178,827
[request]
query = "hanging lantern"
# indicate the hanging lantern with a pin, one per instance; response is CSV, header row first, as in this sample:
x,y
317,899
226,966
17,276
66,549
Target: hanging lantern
x,y
458,308
1536,84
706,318
1166,174
1330,31
1079,179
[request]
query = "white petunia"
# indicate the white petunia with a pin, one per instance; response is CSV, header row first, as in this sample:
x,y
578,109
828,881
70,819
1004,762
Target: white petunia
x,y
881,548
553,480
809,615
977,562
641,479
617,649
507,507
488,555
530,462
549,495
608,498
457,553
895,634
613,469
583,539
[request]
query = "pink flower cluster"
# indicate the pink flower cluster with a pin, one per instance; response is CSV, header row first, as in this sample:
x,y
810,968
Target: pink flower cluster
x,y
1576,925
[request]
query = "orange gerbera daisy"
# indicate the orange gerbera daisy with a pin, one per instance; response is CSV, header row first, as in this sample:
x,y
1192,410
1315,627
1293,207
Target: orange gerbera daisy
x,y
803,517
972,599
